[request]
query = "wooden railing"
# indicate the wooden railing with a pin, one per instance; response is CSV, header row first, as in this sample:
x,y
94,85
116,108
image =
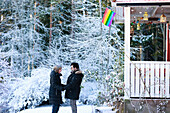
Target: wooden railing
x,y
149,79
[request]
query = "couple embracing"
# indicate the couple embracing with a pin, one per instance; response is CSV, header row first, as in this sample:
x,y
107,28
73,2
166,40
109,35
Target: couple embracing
x,y
72,88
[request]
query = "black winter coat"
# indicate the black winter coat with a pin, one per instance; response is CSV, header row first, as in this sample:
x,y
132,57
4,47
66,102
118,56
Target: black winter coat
x,y
55,88
73,85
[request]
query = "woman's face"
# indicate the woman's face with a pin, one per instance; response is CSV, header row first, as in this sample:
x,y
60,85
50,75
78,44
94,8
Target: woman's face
x,y
59,71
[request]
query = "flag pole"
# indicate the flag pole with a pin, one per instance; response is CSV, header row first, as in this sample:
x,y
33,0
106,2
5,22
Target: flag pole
x,y
100,1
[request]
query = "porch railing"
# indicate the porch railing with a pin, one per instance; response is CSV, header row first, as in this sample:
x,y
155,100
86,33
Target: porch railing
x,y
149,79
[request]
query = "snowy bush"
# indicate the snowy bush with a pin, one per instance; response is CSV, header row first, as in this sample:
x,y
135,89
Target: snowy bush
x,y
101,90
28,92
89,93
113,90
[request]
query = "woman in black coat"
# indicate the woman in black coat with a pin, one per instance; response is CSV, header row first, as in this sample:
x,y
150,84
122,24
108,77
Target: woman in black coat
x,y
56,87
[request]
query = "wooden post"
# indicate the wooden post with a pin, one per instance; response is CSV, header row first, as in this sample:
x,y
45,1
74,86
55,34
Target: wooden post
x,y
50,24
164,41
34,33
127,52
72,18
167,42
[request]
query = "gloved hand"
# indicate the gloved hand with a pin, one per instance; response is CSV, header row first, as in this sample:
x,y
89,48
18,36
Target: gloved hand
x,y
63,88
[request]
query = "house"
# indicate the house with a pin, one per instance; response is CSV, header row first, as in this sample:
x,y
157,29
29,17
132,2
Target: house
x,y
146,80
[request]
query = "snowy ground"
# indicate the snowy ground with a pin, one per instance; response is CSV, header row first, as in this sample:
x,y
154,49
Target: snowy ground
x,y
67,109
63,109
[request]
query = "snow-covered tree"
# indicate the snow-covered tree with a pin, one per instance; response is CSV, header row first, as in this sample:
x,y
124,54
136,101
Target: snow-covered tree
x,y
93,48
5,70
98,49
23,45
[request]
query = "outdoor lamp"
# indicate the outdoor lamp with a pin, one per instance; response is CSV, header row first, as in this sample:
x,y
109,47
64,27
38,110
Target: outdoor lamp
x,y
162,18
145,16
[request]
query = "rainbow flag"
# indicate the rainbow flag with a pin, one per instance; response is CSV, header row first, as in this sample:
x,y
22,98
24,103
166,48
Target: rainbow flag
x,y
108,17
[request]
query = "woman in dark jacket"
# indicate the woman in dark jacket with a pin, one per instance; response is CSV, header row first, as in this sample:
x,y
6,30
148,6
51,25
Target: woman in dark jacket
x,y
56,87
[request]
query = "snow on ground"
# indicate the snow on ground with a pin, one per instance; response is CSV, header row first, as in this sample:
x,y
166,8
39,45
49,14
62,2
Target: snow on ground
x,y
63,109
67,109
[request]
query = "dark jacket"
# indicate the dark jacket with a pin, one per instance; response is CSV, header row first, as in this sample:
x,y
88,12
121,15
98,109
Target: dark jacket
x,y
55,88
73,85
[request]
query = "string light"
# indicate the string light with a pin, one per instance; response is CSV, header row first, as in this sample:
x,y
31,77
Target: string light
x,y
145,16
138,26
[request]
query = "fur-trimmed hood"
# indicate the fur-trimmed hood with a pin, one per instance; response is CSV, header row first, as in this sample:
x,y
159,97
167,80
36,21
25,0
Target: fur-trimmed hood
x,y
78,72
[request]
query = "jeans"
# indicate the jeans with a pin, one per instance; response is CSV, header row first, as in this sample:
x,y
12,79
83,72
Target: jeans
x,y
55,108
73,106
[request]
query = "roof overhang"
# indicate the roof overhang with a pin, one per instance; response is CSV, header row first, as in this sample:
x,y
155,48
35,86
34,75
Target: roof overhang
x,y
154,8
135,4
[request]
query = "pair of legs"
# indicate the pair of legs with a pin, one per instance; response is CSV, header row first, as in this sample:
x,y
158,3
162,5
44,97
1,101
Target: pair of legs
x,y
73,106
55,108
